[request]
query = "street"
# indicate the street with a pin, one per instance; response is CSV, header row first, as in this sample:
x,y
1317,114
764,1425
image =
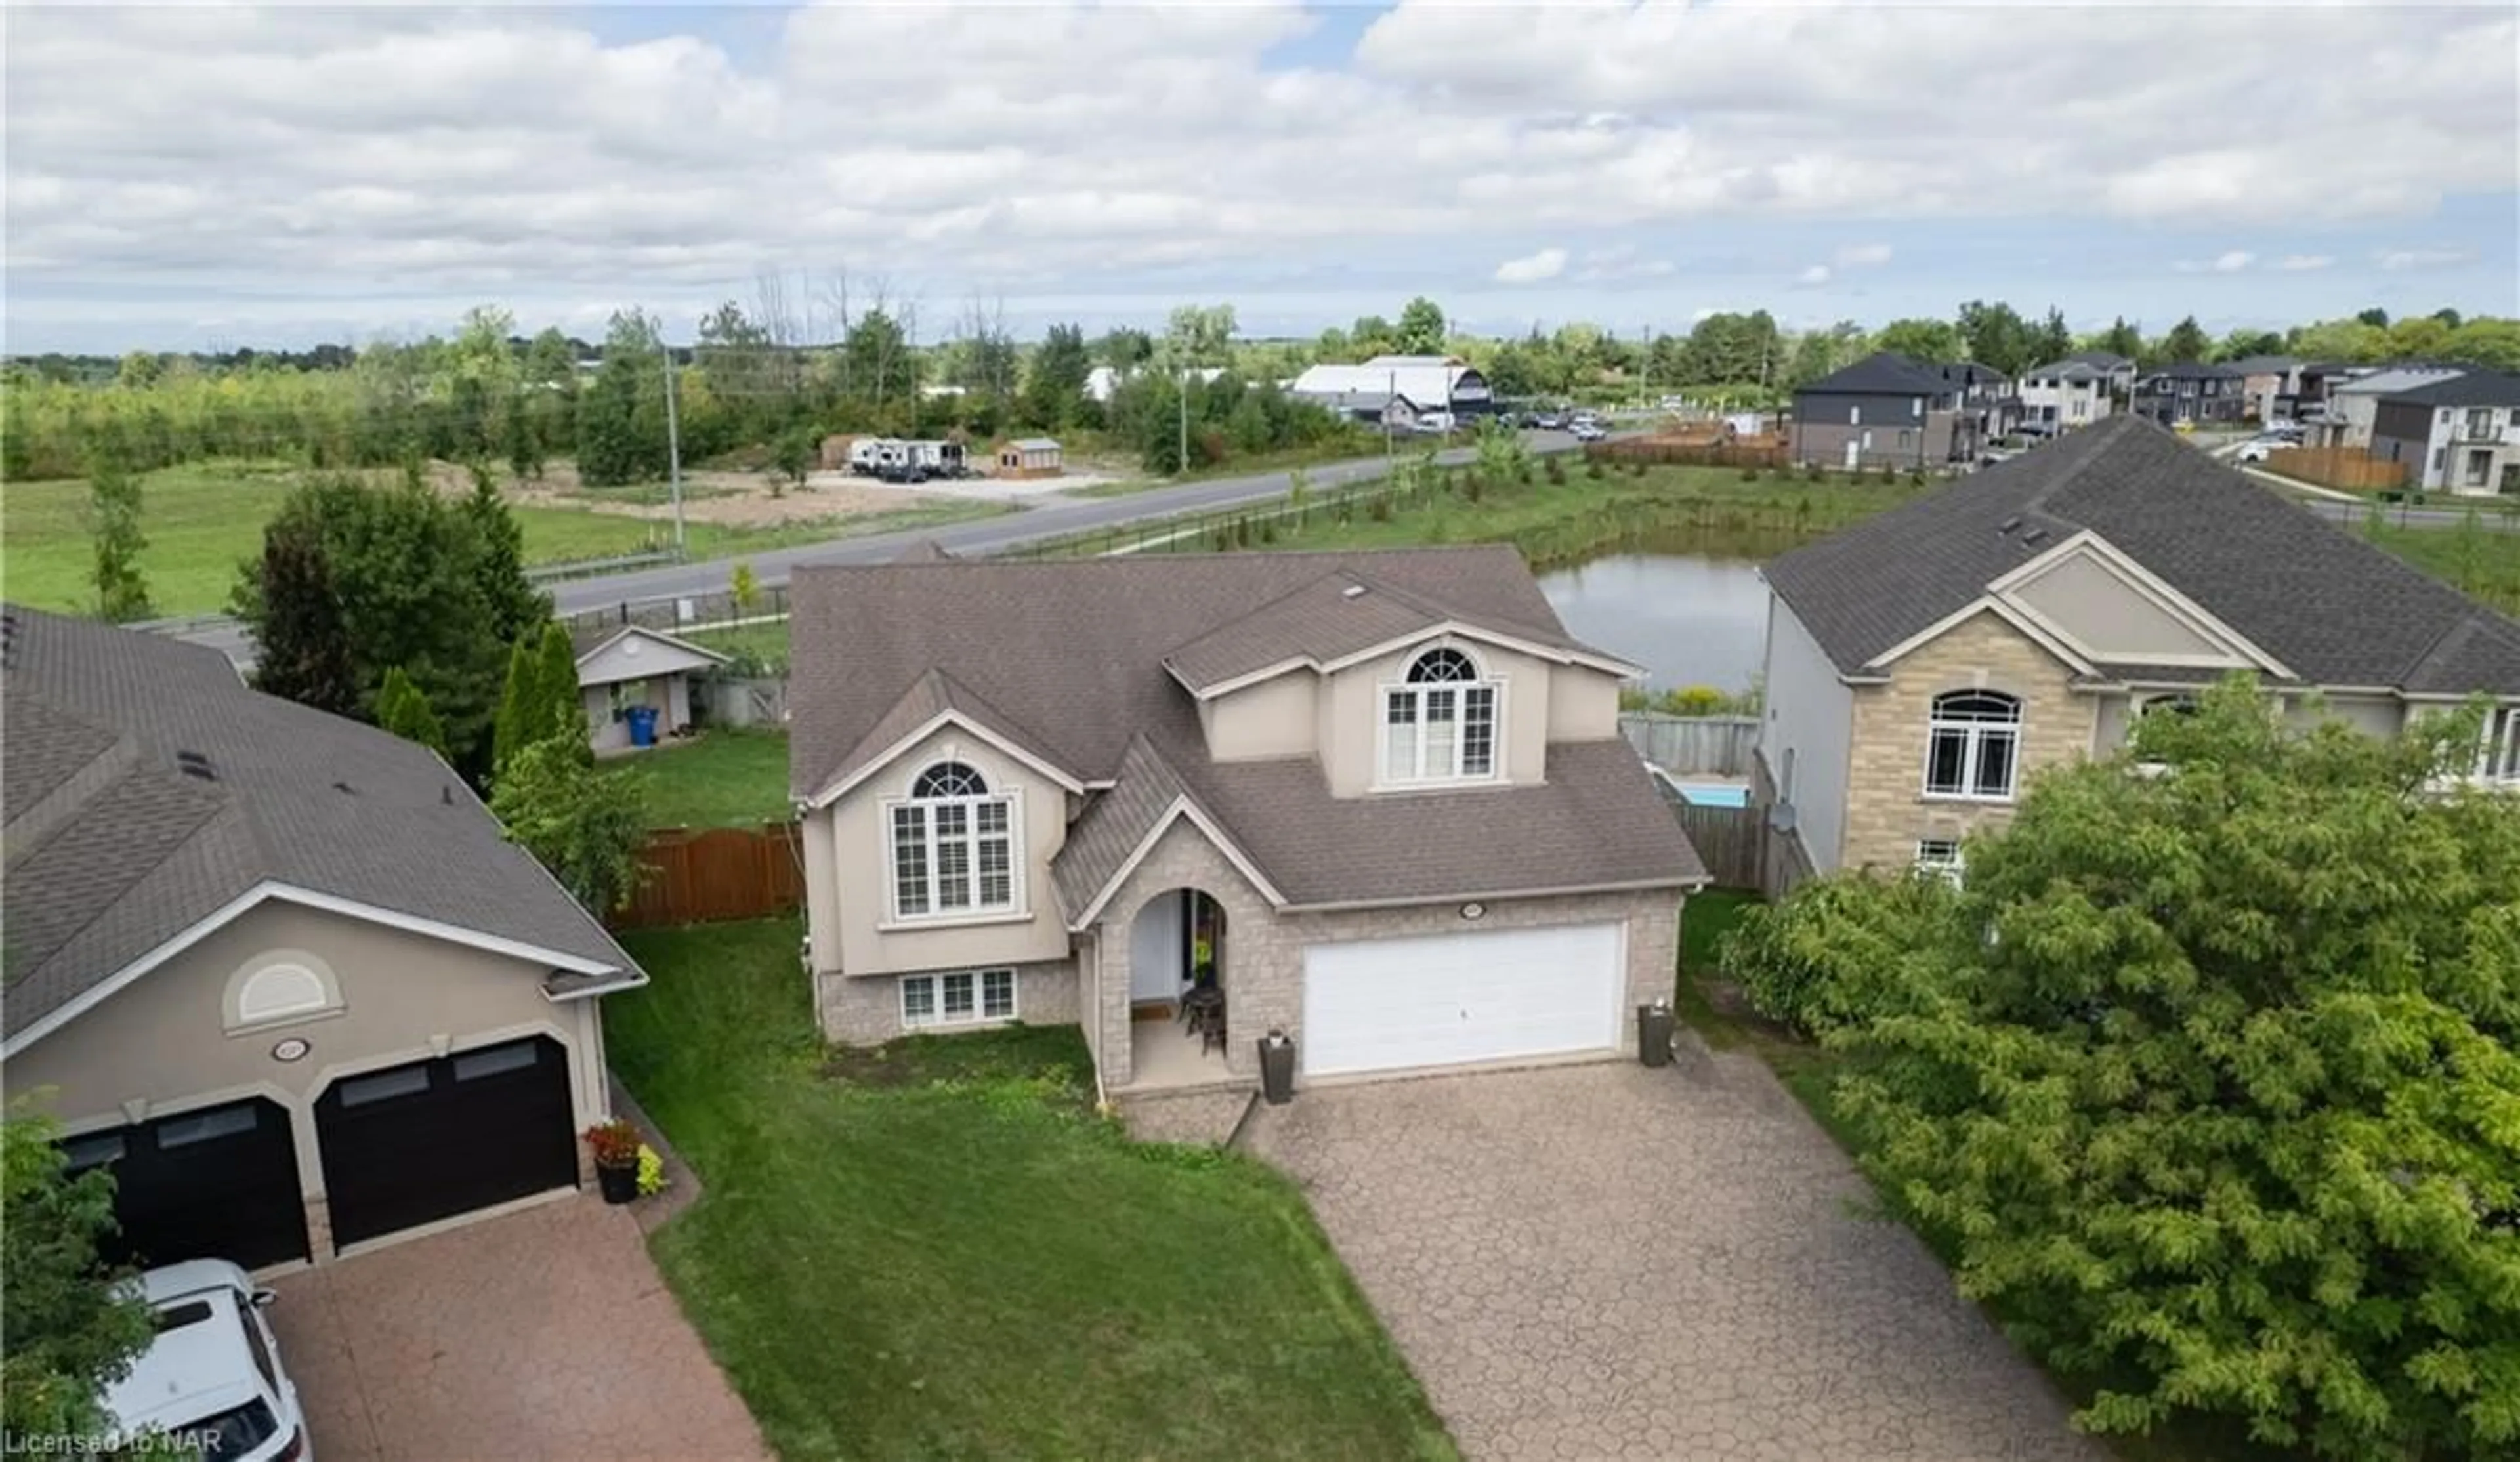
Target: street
x,y
978,539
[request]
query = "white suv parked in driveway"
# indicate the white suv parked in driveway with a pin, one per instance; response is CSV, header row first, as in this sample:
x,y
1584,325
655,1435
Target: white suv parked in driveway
x,y
212,1379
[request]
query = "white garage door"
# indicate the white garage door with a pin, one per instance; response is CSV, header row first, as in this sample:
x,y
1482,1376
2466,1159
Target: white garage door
x,y
1388,1004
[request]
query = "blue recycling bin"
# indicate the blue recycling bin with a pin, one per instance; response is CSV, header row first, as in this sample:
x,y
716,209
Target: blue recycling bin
x,y
643,725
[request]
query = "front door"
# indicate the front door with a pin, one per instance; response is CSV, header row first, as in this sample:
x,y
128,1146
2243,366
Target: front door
x,y
1158,950
1853,453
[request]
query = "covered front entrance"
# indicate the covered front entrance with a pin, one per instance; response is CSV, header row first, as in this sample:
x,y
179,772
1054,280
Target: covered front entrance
x,y
1396,1004
412,1144
216,1182
1179,1011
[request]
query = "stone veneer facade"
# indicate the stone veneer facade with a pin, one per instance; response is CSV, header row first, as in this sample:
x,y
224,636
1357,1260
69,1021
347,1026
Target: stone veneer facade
x,y
866,1009
1261,965
1887,811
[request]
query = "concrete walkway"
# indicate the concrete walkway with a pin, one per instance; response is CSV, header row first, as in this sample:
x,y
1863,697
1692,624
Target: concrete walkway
x,y
1604,1262
544,1334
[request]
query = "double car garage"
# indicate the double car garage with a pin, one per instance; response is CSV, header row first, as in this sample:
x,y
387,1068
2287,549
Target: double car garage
x,y
1456,999
400,1147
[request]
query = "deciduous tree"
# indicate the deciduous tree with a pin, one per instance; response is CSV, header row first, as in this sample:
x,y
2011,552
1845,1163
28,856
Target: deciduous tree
x,y
301,644
2186,341
1936,342
1423,327
1054,386
114,532
2211,1081
584,826
69,1331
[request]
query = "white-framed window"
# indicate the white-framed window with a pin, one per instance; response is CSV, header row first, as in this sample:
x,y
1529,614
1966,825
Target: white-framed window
x,y
959,998
2498,759
1940,857
1855,415
1916,406
953,846
1973,746
621,695
1440,725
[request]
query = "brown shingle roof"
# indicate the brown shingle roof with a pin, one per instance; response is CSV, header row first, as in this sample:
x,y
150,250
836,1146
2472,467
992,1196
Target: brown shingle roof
x,y
1069,657
1337,614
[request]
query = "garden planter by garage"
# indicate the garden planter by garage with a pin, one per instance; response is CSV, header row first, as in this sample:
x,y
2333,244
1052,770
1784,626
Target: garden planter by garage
x,y
619,1185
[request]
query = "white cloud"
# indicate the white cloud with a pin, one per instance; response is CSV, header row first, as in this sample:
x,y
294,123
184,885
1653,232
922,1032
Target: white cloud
x,y
2303,263
2398,259
1813,278
2230,261
293,161
1531,269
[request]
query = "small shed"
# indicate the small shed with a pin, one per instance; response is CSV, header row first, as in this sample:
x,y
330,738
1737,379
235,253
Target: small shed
x,y
1031,457
621,668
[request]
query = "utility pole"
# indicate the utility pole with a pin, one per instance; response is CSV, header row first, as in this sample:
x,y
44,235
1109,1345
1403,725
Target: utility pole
x,y
1180,398
673,449
1390,399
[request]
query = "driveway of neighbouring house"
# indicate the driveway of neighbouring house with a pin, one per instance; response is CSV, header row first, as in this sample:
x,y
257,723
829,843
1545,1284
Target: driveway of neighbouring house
x,y
544,1334
1602,1262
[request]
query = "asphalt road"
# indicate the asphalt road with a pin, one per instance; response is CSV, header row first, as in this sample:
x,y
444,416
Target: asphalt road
x,y
976,539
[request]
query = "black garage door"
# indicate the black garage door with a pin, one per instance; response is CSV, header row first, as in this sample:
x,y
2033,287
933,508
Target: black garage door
x,y
415,1143
217,1182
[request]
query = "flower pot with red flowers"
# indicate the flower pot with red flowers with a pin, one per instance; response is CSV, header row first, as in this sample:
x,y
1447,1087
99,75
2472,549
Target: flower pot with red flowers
x,y
615,1146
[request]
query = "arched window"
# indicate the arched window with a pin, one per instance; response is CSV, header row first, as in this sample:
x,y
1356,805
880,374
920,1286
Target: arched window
x,y
280,986
953,845
2175,702
1439,724
1973,746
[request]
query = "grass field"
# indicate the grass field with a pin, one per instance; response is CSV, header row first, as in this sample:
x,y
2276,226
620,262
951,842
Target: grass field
x,y
1254,464
726,779
202,519
2480,562
941,1252
766,641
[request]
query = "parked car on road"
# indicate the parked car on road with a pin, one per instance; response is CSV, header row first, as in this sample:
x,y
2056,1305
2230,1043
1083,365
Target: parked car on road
x,y
2257,450
212,1379
1587,430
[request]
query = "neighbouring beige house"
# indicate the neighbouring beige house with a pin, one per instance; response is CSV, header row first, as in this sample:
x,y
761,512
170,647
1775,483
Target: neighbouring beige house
x,y
622,669
1377,802
277,969
1924,664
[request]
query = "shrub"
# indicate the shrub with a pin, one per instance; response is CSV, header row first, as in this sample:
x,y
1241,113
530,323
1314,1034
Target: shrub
x,y
1591,467
1379,509
1750,474
1916,477
651,1171
1556,472
1814,472
1824,958
615,1143
1473,486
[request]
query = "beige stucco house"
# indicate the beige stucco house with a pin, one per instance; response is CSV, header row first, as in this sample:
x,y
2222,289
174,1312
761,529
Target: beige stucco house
x,y
277,969
1377,801
621,669
1922,665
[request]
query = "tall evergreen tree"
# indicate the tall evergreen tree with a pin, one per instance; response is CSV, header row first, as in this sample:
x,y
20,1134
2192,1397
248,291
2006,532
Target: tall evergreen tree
x,y
515,602
563,715
301,644
513,730
403,710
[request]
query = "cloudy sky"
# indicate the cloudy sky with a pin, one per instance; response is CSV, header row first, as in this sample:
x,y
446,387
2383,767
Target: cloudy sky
x,y
181,177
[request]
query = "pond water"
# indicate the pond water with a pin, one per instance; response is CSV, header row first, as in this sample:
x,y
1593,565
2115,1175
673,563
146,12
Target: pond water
x,y
1689,618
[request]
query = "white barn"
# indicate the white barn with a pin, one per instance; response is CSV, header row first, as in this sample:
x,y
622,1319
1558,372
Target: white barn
x,y
1429,382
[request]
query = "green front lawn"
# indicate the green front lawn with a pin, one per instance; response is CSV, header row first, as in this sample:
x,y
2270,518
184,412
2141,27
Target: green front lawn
x,y
725,778
944,1253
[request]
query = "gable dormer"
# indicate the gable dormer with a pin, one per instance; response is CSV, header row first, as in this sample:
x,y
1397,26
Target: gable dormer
x,y
2109,610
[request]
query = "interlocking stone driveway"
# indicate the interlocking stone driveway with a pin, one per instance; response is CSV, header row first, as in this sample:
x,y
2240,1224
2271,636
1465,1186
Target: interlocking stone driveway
x,y
1600,1262
542,1334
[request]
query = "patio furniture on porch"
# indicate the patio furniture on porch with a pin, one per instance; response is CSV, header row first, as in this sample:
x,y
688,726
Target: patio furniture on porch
x,y
1204,1008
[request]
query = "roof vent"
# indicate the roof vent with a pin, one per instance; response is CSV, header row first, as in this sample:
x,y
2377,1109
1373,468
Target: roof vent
x,y
343,786
195,765
2034,535
445,796
1352,591
2009,524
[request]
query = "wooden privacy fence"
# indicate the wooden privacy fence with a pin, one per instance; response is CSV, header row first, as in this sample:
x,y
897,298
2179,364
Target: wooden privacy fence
x,y
1740,452
1731,841
2347,469
1692,745
716,873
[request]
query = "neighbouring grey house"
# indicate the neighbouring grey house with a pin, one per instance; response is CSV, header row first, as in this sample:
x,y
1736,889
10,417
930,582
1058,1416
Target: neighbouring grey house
x,y
2062,396
625,668
1885,410
2271,385
2353,403
1376,801
1921,664
283,974
2459,433
2190,391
